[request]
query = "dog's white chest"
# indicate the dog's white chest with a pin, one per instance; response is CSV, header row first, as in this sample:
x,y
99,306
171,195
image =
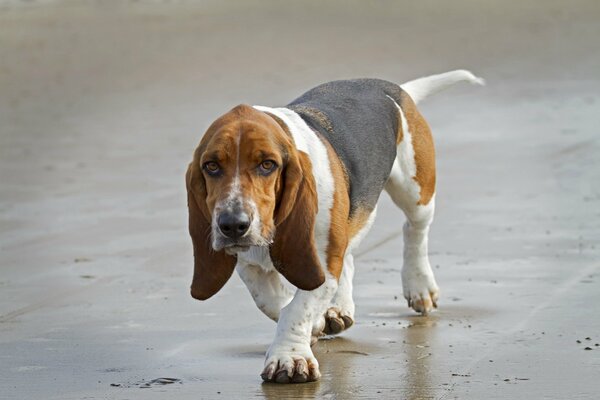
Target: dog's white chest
x,y
256,255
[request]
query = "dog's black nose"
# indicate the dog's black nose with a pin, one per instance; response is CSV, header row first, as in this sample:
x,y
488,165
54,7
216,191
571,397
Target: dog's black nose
x,y
234,225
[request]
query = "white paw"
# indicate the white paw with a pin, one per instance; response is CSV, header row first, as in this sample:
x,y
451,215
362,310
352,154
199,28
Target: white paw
x,y
420,290
290,365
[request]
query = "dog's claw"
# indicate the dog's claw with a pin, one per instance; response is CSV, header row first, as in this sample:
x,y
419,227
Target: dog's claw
x,y
282,377
298,370
421,293
267,374
301,371
348,322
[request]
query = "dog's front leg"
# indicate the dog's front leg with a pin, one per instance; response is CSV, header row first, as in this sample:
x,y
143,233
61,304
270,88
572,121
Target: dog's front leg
x,y
290,358
267,288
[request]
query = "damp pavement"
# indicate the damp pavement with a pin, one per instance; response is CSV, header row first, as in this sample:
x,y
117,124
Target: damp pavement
x,y
102,104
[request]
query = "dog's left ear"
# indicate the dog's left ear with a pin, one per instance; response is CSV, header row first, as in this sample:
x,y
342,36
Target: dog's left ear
x,y
293,251
212,269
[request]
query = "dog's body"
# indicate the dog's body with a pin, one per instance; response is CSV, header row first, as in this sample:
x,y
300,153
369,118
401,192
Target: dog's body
x,y
291,192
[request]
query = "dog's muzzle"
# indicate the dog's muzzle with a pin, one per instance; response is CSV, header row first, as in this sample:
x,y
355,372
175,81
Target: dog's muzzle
x,y
232,231
233,225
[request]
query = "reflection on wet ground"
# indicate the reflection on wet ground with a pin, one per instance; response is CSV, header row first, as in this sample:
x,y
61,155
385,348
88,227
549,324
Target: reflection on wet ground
x,y
410,347
102,104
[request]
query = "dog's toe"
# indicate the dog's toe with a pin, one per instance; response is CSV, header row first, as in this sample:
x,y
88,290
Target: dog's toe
x,y
337,321
291,369
300,371
424,301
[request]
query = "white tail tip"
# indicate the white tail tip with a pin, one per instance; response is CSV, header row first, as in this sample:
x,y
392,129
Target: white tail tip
x,y
420,89
475,80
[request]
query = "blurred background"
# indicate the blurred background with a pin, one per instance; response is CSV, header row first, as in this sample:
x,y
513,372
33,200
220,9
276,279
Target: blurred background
x,y
103,102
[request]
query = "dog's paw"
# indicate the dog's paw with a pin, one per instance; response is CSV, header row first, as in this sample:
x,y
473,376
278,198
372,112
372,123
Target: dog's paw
x,y
291,366
421,292
332,322
337,320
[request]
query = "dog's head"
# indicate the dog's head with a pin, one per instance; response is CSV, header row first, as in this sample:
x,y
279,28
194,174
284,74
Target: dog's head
x,y
248,185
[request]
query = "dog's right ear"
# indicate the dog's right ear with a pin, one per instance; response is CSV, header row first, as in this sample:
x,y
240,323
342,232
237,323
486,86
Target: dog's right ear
x,y
293,252
212,269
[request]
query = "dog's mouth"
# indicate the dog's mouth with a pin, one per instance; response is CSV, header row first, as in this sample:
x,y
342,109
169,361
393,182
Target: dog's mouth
x,y
234,246
234,249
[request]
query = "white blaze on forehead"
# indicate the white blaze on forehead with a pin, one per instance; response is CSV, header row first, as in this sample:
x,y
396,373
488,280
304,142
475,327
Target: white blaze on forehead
x,y
232,203
235,185
307,141
235,194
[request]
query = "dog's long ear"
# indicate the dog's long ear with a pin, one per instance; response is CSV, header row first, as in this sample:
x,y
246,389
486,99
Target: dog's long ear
x,y
293,251
212,269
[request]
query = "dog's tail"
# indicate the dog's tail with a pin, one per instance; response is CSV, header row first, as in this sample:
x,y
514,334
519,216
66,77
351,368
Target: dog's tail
x,y
420,89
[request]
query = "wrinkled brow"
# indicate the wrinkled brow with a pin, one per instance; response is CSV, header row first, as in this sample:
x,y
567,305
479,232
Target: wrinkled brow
x,y
265,154
213,155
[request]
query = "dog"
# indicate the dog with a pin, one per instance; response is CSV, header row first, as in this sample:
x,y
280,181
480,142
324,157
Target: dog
x,y
285,195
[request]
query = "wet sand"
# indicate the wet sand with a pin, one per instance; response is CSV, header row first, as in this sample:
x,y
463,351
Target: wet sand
x,y
101,106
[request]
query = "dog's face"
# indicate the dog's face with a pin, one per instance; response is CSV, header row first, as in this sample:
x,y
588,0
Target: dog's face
x,y
241,164
248,185
241,159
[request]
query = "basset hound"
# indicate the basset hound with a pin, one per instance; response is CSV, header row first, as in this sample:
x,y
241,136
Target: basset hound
x,y
285,195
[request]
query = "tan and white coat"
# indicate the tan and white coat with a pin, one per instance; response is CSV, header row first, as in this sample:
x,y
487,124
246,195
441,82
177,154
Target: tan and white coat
x,y
296,257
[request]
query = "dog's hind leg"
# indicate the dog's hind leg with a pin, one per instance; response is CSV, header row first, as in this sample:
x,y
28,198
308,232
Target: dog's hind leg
x,y
418,282
411,186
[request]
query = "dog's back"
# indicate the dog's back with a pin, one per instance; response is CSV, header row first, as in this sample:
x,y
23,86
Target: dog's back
x,y
360,120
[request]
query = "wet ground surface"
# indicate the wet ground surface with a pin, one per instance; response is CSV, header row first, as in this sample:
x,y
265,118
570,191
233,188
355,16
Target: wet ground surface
x,y
101,106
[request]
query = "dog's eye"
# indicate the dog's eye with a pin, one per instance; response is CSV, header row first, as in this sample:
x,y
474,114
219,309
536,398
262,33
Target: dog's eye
x,y
266,167
212,168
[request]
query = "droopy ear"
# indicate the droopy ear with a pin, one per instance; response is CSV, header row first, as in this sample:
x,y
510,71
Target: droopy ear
x,y
211,268
293,251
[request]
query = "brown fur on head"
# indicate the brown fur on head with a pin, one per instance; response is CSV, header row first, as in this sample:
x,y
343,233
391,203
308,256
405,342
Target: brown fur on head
x,y
247,164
